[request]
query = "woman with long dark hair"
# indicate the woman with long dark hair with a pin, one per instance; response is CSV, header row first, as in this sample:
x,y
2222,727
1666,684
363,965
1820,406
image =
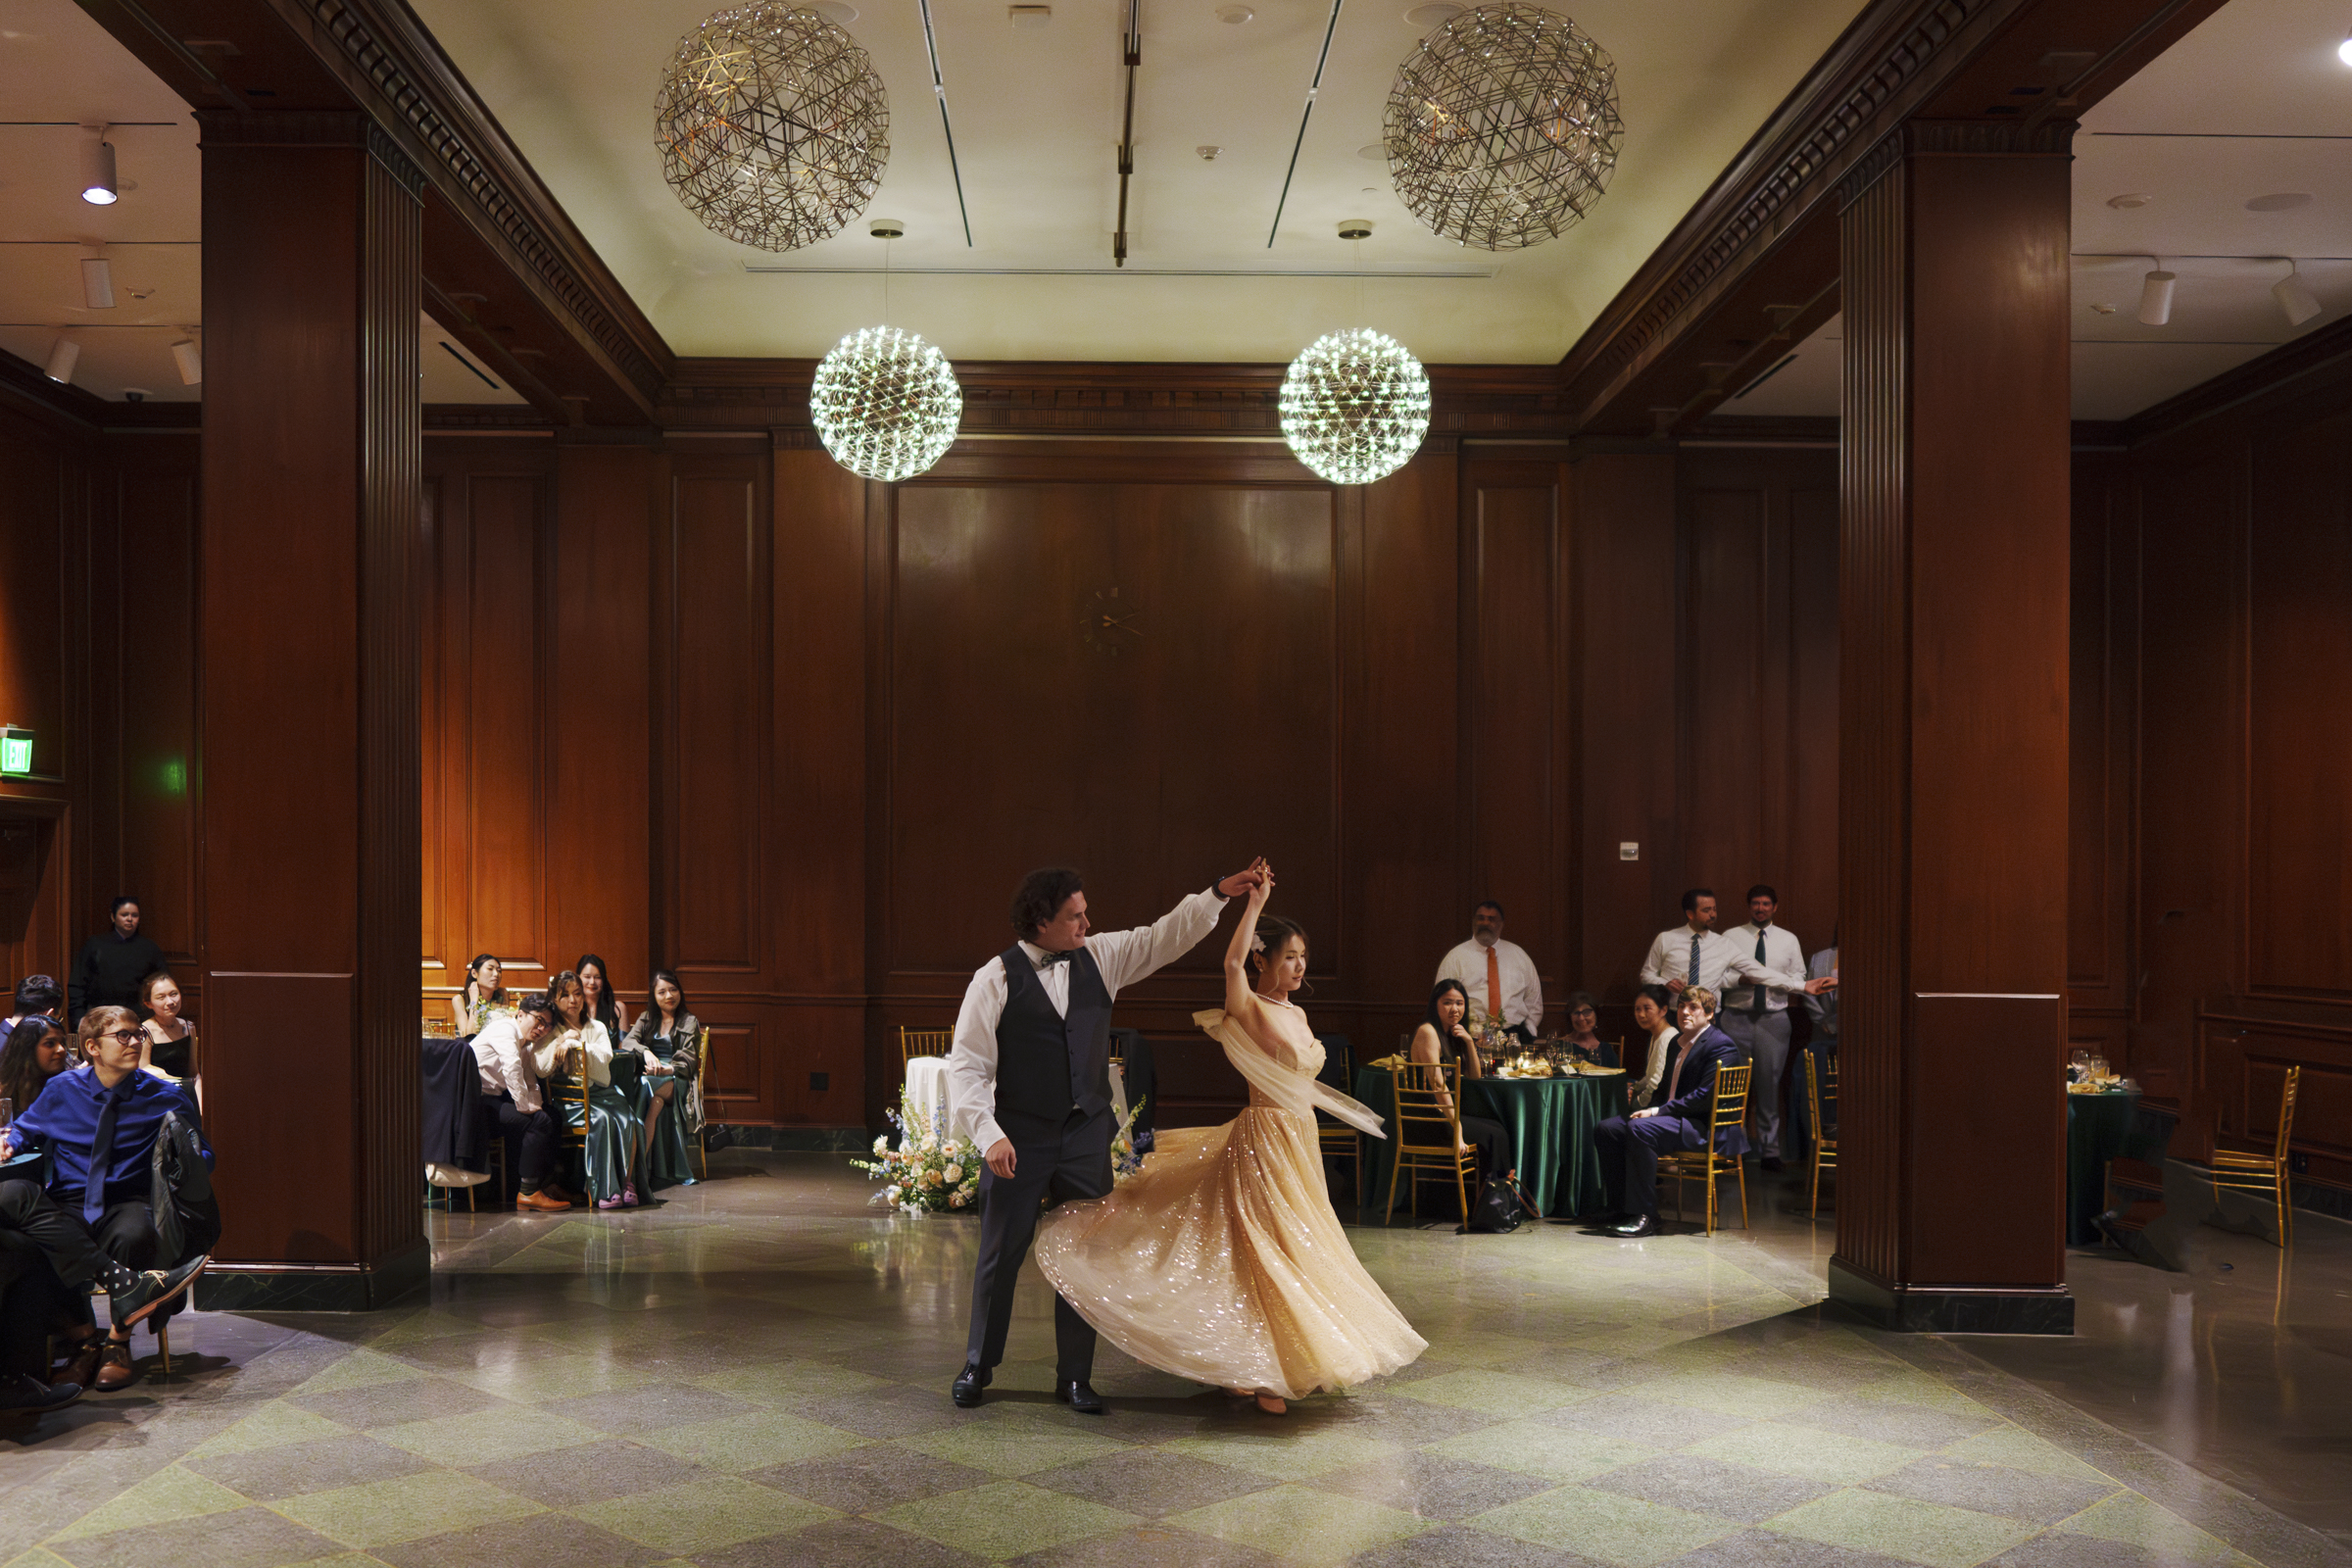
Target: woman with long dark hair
x,y
481,995
667,1039
596,979
1445,1037
579,1046
37,1051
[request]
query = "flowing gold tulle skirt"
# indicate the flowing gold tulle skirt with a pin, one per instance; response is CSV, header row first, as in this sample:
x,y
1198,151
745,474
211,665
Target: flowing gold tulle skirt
x,y
1221,1262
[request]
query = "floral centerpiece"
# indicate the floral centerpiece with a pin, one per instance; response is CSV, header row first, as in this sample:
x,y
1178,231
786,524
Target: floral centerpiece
x,y
929,1170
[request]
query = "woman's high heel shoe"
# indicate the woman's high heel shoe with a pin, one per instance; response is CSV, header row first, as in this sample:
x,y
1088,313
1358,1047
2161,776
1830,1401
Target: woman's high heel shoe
x,y
628,1198
1272,1404
610,1204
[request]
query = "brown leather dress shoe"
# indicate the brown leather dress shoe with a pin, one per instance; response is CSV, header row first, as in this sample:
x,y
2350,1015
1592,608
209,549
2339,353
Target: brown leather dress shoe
x,y
80,1365
115,1368
543,1203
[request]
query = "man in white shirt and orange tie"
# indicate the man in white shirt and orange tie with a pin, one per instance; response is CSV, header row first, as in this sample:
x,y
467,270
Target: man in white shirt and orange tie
x,y
1498,975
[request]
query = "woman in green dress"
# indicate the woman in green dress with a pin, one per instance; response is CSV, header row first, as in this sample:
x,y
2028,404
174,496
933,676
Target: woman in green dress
x,y
668,1041
578,1049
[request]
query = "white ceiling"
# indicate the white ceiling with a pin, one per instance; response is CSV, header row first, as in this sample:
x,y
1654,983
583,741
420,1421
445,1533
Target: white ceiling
x,y
1036,118
2254,103
59,71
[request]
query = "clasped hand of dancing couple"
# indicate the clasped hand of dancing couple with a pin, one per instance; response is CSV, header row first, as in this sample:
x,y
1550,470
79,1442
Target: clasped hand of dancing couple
x,y
1222,1261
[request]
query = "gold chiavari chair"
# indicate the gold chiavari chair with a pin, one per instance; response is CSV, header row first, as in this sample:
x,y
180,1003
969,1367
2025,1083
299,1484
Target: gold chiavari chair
x,y
1428,1134
1334,1138
1825,1142
702,1080
913,1043
2265,1173
1705,1165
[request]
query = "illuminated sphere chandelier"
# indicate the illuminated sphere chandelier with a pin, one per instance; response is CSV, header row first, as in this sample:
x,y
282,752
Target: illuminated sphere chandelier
x,y
1502,127
1355,405
773,128
886,404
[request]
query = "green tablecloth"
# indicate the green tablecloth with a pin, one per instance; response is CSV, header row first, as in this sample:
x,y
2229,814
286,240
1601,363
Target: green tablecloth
x,y
2098,1128
1550,1121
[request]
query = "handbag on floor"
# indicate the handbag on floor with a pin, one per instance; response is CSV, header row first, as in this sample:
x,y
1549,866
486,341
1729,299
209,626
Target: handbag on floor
x,y
1499,1208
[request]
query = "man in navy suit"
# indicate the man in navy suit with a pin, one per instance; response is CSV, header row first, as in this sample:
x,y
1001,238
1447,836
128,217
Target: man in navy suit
x,y
1678,1117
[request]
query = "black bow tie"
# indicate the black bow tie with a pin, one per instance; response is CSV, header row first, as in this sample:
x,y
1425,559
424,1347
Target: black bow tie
x,y
1052,959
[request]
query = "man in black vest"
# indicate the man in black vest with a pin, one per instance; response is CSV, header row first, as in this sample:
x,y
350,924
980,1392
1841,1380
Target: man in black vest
x,y
1030,1079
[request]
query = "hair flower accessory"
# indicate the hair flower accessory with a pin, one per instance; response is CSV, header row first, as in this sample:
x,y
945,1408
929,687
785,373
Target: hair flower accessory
x,y
1257,944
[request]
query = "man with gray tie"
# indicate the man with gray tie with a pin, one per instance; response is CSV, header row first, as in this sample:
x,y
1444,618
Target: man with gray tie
x,y
1756,1015
1739,966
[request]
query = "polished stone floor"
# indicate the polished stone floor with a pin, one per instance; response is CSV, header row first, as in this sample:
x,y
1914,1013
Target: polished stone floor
x,y
757,1373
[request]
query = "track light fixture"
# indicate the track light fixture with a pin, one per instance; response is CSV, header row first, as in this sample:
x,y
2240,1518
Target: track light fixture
x,y
2296,297
2344,51
98,170
61,356
190,359
97,284
2156,296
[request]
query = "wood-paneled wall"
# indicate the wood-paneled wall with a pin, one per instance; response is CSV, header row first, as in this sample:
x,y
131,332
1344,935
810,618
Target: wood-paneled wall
x,y
802,752
2212,849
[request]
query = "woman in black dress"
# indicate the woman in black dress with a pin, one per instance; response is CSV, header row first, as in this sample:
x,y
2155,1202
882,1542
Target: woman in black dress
x,y
1443,1036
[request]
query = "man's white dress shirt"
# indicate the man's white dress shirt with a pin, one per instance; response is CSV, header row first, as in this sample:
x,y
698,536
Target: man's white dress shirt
x,y
1522,992
1721,958
499,1051
1122,957
1784,955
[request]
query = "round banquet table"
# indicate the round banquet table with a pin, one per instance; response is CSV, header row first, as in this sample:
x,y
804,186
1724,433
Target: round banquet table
x,y
2098,1128
1551,1122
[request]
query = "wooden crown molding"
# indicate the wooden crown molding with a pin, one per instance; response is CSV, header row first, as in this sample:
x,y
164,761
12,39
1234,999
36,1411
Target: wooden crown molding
x,y
386,58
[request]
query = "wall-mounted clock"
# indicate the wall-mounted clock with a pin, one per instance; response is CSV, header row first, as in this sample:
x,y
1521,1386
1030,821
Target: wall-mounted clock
x,y
1108,623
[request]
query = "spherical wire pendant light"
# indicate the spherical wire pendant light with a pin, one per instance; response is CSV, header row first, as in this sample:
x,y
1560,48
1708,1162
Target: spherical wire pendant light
x,y
886,404
1355,405
773,128
1502,127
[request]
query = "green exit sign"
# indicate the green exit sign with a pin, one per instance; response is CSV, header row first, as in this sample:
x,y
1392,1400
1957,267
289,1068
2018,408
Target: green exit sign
x,y
15,750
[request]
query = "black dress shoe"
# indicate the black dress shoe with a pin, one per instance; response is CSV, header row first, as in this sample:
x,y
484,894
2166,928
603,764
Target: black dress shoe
x,y
1079,1397
1639,1225
1772,1163
969,1384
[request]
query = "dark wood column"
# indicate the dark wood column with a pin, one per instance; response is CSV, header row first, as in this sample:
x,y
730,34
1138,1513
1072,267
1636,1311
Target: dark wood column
x,y
309,624
1953,731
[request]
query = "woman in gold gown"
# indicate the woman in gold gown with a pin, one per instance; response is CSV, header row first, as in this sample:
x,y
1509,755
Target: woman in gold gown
x,y
1222,1260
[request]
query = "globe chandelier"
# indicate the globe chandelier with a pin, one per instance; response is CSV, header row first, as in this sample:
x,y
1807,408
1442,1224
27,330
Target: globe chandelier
x,y
1356,404
1502,127
886,402
772,125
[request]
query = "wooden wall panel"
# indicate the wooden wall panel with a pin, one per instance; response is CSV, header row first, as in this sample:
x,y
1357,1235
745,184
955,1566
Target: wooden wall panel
x,y
499,697
719,626
157,855
1156,753
2298,888
1516,716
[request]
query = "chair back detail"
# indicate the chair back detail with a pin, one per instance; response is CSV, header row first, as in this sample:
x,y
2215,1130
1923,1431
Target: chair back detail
x,y
1428,1134
2287,1112
1731,1103
913,1043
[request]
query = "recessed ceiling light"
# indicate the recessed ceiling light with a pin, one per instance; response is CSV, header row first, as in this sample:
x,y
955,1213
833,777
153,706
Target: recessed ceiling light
x,y
2129,200
1235,15
1376,152
837,12
1426,17
2285,201
1208,155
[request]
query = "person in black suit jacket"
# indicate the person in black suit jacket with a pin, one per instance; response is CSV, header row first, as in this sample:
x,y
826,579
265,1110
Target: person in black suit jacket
x,y
1678,1116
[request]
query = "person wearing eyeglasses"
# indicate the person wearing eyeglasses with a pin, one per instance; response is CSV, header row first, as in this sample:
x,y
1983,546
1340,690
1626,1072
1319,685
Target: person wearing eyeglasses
x,y
99,1125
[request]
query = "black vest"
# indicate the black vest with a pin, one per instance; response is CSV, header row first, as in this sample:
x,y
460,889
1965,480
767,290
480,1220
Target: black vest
x,y
1049,1064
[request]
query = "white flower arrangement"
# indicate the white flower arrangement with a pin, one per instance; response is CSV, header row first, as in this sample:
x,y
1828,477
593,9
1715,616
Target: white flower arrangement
x,y
929,1170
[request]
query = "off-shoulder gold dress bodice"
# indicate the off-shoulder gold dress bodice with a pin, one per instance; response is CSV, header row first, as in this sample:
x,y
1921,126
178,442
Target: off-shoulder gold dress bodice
x,y
1222,1261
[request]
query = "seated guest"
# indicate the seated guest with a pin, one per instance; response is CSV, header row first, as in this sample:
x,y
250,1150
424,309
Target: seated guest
x,y
34,1304
615,1134
604,1006
669,1039
1499,976
1679,1121
99,1125
1584,1030
481,995
36,996
36,1052
112,964
502,1047
1445,1037
170,1048
1654,1015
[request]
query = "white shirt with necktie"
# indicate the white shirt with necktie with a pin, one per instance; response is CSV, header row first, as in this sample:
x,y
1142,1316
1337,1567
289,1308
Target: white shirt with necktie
x,y
1121,957
1721,958
1522,991
1783,956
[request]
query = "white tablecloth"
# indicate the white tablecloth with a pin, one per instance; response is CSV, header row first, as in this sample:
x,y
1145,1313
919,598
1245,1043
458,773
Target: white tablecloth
x,y
927,1087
